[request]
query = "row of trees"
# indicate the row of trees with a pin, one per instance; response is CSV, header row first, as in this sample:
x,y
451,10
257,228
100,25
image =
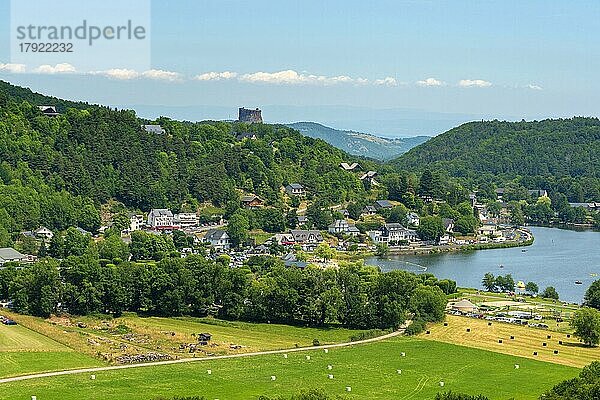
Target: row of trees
x,y
506,283
353,295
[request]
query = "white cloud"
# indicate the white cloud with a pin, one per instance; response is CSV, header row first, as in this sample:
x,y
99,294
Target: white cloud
x,y
216,76
161,75
130,74
431,82
63,68
533,86
118,73
291,77
474,83
12,68
387,81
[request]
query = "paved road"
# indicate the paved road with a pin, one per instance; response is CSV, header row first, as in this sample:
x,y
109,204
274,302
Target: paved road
x,y
189,360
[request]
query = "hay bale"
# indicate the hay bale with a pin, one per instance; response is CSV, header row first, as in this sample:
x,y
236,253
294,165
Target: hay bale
x,y
468,329
544,344
517,366
499,340
489,324
442,383
555,351
330,367
285,356
445,324
560,342
535,353
568,336
399,371
549,337
427,333
330,376
512,338
326,351
308,357
403,354
273,377
93,377
348,389
209,371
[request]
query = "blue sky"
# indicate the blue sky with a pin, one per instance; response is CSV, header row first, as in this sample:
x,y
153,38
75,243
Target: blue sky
x,y
495,59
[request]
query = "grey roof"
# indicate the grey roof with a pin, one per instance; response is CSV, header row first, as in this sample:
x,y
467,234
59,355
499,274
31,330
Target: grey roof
x,y
249,198
154,129
383,204
347,166
301,236
369,209
8,253
216,234
160,212
296,186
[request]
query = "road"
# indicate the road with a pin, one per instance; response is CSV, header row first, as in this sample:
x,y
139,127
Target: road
x,y
189,360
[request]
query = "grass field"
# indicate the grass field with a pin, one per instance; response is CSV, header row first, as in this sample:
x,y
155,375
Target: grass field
x,y
23,351
526,340
370,370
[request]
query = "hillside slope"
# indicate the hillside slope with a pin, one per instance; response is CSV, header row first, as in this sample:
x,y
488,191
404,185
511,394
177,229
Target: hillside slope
x,y
561,147
360,144
52,169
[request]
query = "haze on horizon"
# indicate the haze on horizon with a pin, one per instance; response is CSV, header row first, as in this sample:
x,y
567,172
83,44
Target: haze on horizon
x,y
387,67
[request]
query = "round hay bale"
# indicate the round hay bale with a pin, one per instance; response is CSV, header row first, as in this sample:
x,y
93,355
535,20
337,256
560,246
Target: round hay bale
x,y
499,340
535,353
512,338
468,329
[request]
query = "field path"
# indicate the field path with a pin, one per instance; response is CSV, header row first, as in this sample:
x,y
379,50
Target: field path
x,y
188,360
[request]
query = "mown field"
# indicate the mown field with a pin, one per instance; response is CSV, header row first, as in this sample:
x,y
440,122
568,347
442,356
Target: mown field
x,y
23,351
370,370
526,340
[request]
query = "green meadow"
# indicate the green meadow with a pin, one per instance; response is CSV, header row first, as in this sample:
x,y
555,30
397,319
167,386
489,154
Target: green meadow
x,y
370,370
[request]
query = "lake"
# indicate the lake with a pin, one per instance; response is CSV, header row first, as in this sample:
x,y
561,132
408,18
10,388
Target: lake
x,y
558,258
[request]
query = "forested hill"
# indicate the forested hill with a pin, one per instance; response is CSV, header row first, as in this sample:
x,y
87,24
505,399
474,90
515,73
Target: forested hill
x,y
360,144
19,94
57,171
551,147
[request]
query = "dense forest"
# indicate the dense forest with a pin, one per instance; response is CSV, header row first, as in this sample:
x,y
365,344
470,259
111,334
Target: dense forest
x,y
58,171
561,155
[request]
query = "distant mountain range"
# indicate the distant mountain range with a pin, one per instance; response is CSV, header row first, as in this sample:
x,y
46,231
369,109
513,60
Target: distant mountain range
x,y
360,144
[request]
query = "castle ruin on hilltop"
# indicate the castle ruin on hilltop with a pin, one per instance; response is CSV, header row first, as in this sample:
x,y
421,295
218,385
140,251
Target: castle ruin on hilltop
x,y
252,116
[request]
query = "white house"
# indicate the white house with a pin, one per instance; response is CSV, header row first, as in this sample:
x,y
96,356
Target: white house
x,y
413,218
160,218
295,189
156,129
43,233
349,167
393,234
136,222
185,220
218,239
490,230
342,226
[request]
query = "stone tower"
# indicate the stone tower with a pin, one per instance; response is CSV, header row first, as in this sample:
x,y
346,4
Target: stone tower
x,y
252,116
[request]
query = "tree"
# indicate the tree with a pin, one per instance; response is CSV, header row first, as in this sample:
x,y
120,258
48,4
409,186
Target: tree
x,y
428,303
382,249
592,296
324,252
586,323
237,228
319,215
550,293
532,287
505,283
489,282
583,387
431,228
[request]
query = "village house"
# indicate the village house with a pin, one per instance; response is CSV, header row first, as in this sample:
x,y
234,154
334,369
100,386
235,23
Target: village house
x,y
369,210
341,226
302,220
344,213
308,239
186,220
592,206
8,254
349,167
283,239
383,204
448,225
160,218
49,111
251,201
245,135
393,234
156,129
537,193
218,239
43,233
295,189
413,219
136,222
490,230
369,176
